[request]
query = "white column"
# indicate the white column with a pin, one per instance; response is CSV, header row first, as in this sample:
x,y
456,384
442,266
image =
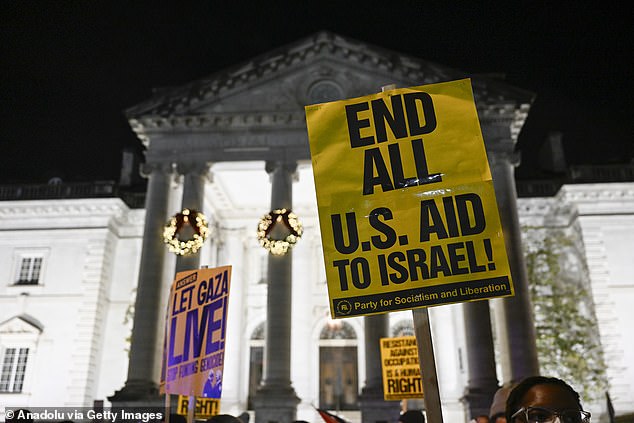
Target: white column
x,y
373,407
195,177
304,279
482,381
447,327
276,399
147,333
518,343
518,347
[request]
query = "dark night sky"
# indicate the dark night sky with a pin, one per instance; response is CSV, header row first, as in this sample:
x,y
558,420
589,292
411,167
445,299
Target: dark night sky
x,y
70,69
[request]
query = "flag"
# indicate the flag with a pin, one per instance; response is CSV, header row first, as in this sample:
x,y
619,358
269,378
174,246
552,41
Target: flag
x,y
329,417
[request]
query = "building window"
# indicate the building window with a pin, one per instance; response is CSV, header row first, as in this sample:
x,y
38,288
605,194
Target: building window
x,y
403,328
338,367
29,270
256,363
263,268
13,368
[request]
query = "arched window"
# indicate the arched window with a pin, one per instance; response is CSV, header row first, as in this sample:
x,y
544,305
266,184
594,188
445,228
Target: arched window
x,y
403,327
338,367
256,361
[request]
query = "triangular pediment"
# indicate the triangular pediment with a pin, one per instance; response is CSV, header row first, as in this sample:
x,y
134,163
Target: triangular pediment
x,y
22,324
254,112
319,68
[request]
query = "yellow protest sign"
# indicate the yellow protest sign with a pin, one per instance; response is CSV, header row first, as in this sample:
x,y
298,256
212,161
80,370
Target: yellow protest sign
x,y
205,407
401,371
195,330
407,208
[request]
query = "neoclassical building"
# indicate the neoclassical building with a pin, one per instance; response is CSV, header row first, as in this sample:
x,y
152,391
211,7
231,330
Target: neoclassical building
x,y
86,274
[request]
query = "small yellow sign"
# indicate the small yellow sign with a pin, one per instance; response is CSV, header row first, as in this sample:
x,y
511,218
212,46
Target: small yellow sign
x,y
401,371
407,208
205,407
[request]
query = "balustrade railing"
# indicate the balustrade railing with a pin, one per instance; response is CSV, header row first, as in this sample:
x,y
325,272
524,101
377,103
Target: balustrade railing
x,y
100,189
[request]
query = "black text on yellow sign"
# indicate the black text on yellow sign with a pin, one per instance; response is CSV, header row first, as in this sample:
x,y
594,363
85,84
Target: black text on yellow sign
x,y
453,258
406,202
376,172
401,371
205,407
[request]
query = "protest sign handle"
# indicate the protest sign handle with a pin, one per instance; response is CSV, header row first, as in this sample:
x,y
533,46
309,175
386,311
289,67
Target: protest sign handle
x,y
425,352
191,408
168,406
427,362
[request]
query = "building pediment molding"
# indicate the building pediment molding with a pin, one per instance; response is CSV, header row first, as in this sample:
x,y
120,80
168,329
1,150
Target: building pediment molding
x,y
321,48
21,324
270,91
218,123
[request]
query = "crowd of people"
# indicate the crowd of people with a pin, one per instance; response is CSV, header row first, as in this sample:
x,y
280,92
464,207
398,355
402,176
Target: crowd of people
x,y
536,399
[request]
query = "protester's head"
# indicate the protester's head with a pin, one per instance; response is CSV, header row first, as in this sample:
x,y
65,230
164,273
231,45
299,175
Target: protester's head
x,y
244,417
412,416
540,398
223,418
498,406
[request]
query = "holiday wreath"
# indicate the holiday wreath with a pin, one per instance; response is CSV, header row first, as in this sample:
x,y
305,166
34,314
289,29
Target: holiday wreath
x,y
198,223
292,231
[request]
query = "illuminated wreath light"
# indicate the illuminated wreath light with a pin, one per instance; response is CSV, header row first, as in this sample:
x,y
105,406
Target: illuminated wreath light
x,y
292,225
197,221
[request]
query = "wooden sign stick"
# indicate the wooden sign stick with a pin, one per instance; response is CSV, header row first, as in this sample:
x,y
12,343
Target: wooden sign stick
x,y
427,362
425,352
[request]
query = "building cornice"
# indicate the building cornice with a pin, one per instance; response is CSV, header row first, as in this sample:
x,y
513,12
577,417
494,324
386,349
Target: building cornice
x,y
601,198
217,122
55,214
575,200
504,115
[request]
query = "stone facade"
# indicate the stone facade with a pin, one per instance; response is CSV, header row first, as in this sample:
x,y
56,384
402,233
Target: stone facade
x,y
74,319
